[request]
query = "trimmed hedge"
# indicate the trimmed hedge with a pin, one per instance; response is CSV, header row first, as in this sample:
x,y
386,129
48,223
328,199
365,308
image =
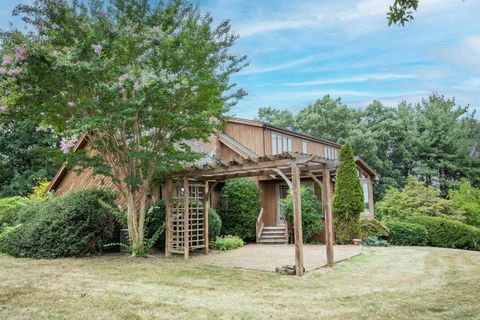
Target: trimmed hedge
x,y
407,234
241,208
447,233
76,224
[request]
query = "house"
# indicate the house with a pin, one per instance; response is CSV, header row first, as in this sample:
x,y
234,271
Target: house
x,y
248,140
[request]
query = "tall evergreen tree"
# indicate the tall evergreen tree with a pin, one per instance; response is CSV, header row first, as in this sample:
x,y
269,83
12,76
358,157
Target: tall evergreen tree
x,y
348,198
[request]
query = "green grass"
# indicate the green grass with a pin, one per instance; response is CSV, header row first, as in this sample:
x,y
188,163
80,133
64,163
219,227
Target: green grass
x,y
382,283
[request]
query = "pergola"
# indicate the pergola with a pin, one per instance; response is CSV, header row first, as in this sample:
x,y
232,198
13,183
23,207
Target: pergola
x,y
187,198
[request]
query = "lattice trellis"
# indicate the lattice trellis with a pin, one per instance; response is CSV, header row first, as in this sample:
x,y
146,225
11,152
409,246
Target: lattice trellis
x,y
196,218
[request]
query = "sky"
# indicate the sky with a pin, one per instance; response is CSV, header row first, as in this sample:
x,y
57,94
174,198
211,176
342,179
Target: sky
x,y
301,50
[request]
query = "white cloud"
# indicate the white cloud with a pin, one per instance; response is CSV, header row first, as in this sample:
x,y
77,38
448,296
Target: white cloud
x,y
331,13
472,84
283,66
361,78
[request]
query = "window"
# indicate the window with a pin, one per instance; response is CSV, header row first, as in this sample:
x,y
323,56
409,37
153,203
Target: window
x,y
366,198
305,147
281,144
330,153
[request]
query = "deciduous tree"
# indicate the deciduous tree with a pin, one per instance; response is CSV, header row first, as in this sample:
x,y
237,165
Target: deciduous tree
x,y
140,79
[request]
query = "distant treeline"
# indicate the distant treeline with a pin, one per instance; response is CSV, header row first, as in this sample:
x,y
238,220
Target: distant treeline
x,y
435,140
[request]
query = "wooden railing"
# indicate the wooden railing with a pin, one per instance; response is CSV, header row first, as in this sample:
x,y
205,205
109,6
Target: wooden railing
x,y
286,230
259,225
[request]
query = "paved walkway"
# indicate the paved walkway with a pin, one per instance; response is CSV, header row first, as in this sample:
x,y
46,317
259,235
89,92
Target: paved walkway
x,y
268,257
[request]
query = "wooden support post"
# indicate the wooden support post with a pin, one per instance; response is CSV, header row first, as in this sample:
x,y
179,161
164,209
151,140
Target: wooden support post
x,y
206,204
168,216
327,211
297,220
186,227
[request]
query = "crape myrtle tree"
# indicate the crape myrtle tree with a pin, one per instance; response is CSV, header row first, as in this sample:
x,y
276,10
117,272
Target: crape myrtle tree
x,y
140,80
348,198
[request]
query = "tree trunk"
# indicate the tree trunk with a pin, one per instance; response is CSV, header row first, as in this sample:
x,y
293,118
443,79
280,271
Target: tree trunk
x,y
136,222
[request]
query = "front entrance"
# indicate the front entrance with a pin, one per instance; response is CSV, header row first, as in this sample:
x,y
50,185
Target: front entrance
x,y
282,192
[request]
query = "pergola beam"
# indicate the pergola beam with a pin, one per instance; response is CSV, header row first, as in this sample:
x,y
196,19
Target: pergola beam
x,y
186,229
327,210
297,220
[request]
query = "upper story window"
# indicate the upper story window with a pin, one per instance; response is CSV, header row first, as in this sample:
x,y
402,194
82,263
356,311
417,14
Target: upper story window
x,y
281,143
305,147
330,153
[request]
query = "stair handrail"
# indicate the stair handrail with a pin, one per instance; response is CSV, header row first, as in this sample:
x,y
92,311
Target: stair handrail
x,y
286,230
259,224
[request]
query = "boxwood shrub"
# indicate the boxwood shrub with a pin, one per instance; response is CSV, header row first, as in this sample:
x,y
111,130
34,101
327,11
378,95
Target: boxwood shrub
x,y
76,224
447,233
406,233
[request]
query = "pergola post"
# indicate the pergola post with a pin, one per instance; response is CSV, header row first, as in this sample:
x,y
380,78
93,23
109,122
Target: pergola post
x,y
206,204
297,220
186,233
327,210
168,216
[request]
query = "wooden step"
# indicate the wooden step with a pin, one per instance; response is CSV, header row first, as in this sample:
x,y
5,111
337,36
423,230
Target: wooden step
x,y
273,241
273,232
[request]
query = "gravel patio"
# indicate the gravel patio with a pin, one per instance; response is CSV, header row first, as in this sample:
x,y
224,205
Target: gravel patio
x,y
269,257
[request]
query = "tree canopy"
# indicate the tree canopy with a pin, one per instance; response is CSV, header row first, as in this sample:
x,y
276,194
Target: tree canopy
x,y
435,140
141,80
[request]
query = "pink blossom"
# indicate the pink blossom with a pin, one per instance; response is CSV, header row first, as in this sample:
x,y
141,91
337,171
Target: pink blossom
x,y
13,72
97,48
71,104
2,70
40,129
54,26
66,144
20,54
3,108
6,61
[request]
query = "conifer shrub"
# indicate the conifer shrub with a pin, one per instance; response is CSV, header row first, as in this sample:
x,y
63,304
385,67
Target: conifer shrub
x,y
348,198
374,228
241,208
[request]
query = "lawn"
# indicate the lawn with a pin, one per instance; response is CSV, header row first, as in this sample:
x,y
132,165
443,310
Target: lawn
x,y
382,283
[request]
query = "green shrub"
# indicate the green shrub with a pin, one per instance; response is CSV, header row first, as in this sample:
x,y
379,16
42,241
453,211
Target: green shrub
x,y
214,224
9,208
154,221
447,233
407,233
374,228
467,199
373,241
312,215
414,200
228,242
348,198
241,208
73,225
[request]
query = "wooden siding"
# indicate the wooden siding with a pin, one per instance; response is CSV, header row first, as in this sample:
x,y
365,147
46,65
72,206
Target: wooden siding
x,y
268,201
259,139
248,135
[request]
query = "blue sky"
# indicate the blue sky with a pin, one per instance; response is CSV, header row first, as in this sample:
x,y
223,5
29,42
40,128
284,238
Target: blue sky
x,y
302,50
